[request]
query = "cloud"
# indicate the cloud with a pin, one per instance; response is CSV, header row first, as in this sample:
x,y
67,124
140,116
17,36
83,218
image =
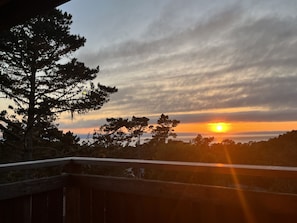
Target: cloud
x,y
228,56
194,36
246,116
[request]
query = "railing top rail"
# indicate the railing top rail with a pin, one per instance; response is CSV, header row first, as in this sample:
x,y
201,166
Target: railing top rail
x,y
25,165
215,168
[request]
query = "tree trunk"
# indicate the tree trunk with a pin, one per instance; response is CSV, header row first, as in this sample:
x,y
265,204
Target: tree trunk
x,y
28,146
28,139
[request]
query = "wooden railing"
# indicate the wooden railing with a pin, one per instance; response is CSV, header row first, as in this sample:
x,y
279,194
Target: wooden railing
x,y
89,190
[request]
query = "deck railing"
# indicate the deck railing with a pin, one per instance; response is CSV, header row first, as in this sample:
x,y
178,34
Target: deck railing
x,y
81,189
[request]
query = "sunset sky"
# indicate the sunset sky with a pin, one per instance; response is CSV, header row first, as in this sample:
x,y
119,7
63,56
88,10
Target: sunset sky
x,y
198,61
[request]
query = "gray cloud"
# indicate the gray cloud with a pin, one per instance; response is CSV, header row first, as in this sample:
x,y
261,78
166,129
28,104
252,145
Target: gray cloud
x,y
194,36
231,56
248,116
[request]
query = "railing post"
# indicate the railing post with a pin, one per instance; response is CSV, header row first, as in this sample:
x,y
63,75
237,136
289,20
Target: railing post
x,y
73,168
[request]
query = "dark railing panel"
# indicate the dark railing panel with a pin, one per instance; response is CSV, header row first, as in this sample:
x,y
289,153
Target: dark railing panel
x,y
33,201
72,204
47,207
28,187
85,204
98,204
136,200
86,207
116,207
16,210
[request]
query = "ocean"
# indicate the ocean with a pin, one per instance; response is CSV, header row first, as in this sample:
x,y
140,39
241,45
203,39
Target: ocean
x,y
242,137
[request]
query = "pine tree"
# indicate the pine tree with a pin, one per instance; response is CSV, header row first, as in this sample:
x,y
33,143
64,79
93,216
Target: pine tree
x,y
40,75
164,129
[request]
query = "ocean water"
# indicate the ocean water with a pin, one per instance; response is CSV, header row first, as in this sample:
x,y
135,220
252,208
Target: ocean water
x,y
242,137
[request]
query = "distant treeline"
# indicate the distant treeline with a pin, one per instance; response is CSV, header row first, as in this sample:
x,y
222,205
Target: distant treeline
x,y
280,151
120,138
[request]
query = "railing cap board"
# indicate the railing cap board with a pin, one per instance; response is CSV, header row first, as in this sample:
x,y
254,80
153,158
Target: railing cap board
x,y
34,164
218,168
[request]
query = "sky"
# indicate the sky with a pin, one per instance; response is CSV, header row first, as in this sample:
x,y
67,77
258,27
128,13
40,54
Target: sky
x,y
198,61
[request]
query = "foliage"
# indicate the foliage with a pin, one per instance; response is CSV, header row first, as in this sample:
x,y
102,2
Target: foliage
x,y
164,129
120,132
48,142
201,141
42,78
279,151
276,151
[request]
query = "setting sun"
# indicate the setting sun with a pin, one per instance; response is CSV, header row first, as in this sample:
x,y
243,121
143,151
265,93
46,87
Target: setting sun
x,y
219,127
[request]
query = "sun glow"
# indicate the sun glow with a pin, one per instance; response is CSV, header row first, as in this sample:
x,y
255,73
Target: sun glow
x,y
219,127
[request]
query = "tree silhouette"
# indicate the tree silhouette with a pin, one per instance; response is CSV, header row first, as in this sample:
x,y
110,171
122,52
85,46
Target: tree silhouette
x,y
164,129
111,134
40,75
202,142
137,127
119,132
